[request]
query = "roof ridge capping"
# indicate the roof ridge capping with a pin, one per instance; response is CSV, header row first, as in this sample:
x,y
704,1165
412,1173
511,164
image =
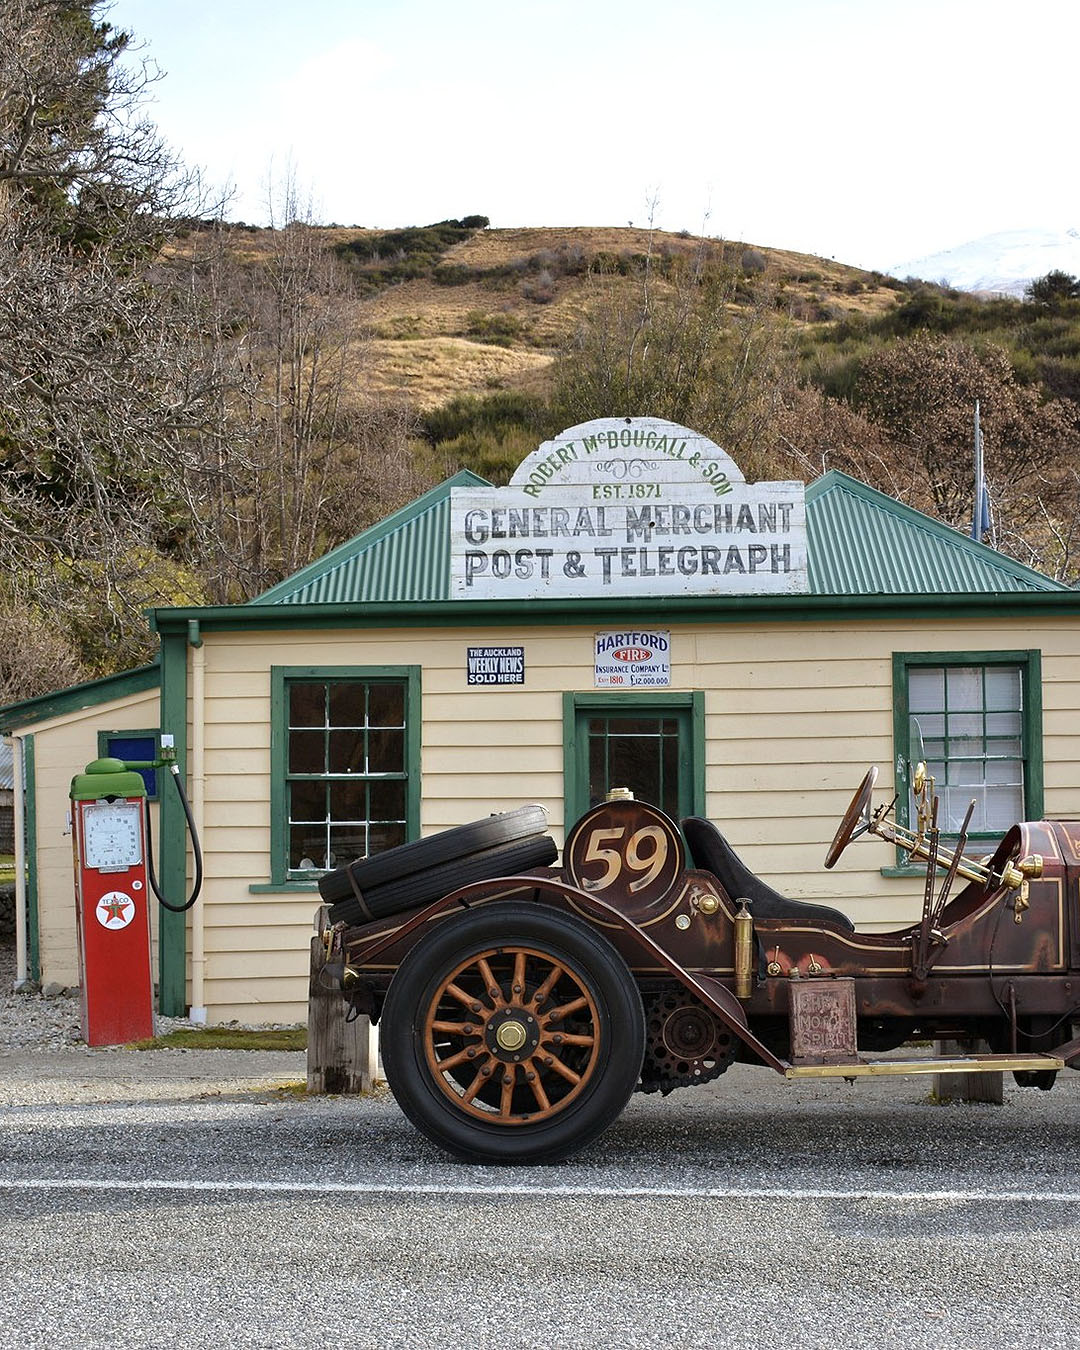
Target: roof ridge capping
x,y
890,559
347,552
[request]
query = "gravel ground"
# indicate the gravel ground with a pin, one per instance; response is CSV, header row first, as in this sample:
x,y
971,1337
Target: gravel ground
x,y
31,1022
45,1063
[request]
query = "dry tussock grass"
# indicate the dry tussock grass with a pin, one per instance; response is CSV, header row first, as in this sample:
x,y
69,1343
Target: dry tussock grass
x,y
429,371
422,345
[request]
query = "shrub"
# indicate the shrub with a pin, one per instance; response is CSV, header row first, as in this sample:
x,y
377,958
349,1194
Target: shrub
x,y
416,250
454,274
497,414
499,330
1060,375
539,289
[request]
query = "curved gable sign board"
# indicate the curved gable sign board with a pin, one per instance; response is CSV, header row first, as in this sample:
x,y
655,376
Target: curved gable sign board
x,y
627,506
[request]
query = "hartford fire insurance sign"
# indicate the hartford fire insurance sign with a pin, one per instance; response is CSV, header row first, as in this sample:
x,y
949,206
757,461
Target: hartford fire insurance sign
x,y
633,660
628,506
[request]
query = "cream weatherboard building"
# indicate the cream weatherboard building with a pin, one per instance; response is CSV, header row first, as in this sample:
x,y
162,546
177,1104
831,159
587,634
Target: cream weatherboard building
x,y
626,612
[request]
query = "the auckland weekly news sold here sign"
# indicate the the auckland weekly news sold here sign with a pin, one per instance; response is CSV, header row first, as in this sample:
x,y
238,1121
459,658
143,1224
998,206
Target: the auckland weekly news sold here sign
x,y
627,506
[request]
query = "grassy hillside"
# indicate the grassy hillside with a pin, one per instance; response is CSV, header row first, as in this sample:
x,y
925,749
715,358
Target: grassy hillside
x,y
522,291
488,311
482,342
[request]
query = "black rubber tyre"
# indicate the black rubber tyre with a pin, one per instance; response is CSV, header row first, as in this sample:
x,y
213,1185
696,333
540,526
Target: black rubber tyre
x,y
420,888
560,985
439,848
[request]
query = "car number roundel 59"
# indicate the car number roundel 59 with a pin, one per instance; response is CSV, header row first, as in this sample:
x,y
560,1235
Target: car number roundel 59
x,y
625,849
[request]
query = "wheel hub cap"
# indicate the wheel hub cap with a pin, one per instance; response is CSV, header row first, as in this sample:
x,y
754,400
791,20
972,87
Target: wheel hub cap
x,y
511,1036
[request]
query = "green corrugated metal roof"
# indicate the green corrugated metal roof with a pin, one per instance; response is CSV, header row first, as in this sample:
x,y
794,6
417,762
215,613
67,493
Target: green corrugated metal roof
x,y
860,542
863,542
404,557
79,696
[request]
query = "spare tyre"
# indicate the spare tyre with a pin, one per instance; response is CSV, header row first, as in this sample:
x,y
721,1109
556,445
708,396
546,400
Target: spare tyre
x,y
520,855
456,842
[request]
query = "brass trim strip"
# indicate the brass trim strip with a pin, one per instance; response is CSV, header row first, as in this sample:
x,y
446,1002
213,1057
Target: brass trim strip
x,y
946,1064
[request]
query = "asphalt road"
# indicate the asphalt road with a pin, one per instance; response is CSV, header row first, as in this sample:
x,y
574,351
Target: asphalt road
x,y
182,1203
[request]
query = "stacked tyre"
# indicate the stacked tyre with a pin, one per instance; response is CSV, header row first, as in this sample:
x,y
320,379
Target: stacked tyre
x,y
417,873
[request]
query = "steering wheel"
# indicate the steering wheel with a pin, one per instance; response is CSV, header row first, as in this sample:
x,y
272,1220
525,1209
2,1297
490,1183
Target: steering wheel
x,y
856,819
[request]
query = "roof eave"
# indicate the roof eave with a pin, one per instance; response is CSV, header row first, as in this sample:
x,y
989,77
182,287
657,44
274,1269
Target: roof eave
x,y
30,711
610,610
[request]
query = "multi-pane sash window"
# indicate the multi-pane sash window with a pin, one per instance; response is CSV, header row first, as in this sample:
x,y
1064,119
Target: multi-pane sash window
x,y
650,742
976,722
346,770
641,753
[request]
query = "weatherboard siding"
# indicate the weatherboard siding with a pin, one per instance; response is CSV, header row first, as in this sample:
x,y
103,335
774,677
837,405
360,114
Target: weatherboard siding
x,y
793,715
63,746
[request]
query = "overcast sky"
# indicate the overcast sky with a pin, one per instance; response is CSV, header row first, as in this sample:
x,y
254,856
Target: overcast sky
x,y
871,131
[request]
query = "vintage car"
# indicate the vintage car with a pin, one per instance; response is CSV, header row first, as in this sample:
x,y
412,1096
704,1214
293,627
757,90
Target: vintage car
x,y
521,1004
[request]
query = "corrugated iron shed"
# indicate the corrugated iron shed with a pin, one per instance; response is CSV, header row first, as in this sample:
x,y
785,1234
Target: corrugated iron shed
x,y
860,542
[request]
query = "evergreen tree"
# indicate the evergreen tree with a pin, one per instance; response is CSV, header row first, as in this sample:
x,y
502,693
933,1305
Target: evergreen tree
x,y
1053,288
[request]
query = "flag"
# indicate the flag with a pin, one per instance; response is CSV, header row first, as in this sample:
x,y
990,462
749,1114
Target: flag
x,y
981,522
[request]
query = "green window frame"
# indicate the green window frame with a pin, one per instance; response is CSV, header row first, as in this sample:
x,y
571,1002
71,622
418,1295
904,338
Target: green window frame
x,y
686,710
336,760
969,728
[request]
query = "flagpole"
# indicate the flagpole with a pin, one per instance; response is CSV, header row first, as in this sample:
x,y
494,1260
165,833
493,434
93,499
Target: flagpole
x,y
978,510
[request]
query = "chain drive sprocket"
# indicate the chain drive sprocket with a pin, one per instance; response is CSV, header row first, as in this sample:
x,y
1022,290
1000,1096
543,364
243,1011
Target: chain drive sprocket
x,y
685,1043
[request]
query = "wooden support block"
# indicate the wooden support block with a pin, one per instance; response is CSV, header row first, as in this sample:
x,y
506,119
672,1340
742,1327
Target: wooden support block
x,y
968,1087
342,1056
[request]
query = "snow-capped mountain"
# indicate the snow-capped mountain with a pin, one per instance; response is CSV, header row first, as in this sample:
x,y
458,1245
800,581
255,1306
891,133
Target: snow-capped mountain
x,y
1004,263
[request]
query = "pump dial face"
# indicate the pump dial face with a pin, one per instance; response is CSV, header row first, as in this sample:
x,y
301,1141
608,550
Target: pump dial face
x,y
112,835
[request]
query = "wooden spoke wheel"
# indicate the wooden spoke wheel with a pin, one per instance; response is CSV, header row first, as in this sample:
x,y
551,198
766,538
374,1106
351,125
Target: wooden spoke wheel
x,y
513,1033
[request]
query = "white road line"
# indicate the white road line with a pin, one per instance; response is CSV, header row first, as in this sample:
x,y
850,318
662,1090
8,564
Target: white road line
x,y
547,1192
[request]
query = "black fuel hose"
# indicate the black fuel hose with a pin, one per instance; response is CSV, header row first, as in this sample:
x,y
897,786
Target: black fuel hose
x,y
195,849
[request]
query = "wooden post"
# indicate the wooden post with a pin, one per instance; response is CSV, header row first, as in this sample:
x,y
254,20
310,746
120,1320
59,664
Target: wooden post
x,y
342,1056
968,1087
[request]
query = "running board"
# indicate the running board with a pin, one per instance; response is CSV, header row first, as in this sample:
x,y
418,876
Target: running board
x,y
875,1068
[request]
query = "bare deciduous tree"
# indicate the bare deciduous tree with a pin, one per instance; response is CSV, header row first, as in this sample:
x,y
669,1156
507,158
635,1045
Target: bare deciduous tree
x,y
921,393
99,377
700,346
300,457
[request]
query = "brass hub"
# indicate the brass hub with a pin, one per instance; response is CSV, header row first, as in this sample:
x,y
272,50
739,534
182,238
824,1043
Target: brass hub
x,y
511,1036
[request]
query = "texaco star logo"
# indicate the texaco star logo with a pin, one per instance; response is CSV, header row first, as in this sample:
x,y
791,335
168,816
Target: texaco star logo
x,y
115,910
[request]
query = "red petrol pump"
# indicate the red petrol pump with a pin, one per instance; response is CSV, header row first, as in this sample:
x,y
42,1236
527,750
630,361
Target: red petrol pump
x,y
114,875
111,897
